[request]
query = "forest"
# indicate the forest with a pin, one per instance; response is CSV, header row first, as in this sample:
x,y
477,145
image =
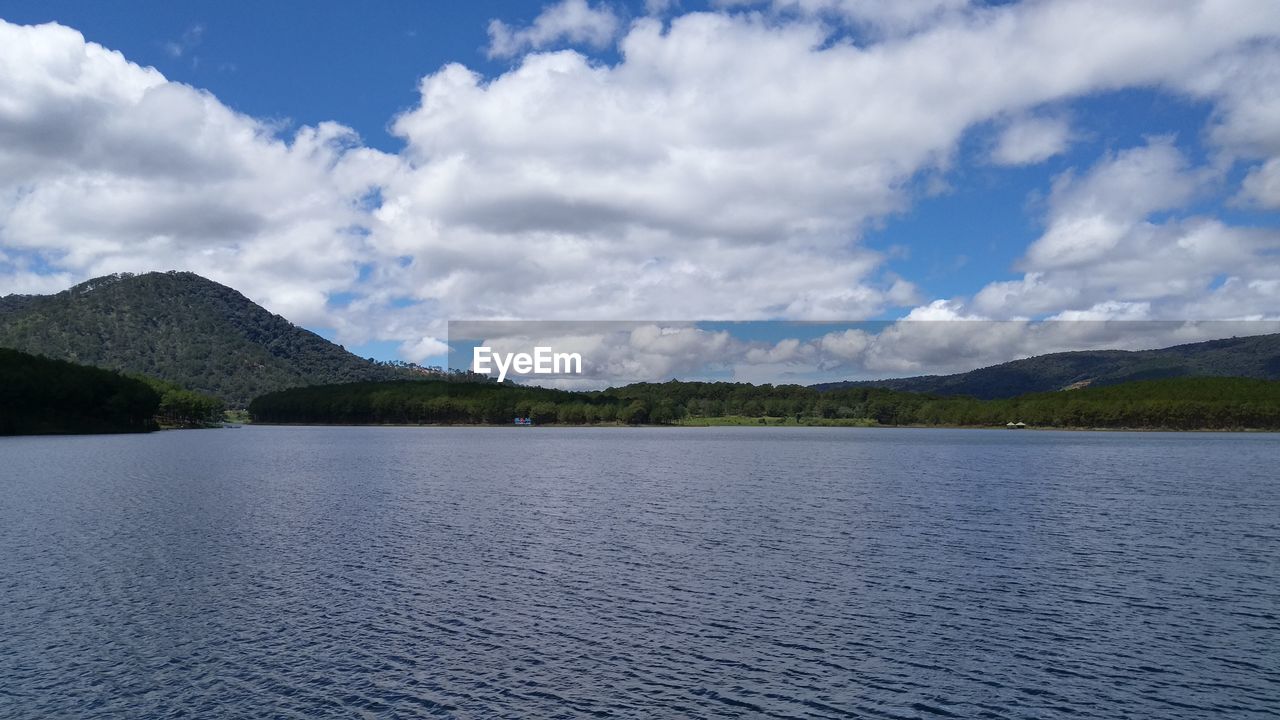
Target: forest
x,y
1175,404
185,330
43,396
182,408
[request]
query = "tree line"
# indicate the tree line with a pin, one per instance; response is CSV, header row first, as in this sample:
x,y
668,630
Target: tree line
x,y
42,396
182,408
1178,403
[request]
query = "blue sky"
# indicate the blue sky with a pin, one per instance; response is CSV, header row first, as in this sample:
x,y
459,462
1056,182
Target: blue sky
x,y
357,63
374,170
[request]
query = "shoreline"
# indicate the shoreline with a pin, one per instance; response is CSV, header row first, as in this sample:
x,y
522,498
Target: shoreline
x,y
777,426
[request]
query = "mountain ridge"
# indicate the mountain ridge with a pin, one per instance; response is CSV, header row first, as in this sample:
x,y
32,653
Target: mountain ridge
x,y
206,337
181,328
1251,356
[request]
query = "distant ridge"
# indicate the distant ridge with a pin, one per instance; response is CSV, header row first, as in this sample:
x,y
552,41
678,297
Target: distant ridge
x,y
1255,357
183,328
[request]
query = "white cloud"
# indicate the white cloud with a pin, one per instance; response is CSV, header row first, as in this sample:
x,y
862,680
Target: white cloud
x,y
1262,185
190,39
725,167
620,353
1090,216
658,7
105,167
1108,310
423,349
1244,85
846,344
574,22
947,346
1103,256
1245,88
1028,140
888,17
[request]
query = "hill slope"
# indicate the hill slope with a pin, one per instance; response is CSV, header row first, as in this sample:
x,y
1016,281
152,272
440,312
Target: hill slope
x,y
181,328
1248,357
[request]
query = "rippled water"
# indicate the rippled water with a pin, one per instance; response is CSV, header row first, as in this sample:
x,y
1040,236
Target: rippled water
x,y
737,572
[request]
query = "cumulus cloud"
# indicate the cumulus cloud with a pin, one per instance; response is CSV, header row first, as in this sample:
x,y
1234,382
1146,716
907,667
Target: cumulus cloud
x,y
1103,254
888,17
616,353
1090,216
1244,86
1030,139
725,166
574,22
423,349
728,163
846,344
943,346
658,7
106,167
1261,188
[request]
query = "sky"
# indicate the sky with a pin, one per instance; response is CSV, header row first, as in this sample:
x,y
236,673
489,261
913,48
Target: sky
x,y
372,171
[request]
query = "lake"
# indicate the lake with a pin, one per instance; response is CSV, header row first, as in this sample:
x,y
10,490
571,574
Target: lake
x,y
640,572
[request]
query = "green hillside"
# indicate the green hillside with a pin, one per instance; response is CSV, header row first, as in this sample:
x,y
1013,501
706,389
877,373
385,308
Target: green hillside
x,y
1247,357
183,329
1173,404
43,396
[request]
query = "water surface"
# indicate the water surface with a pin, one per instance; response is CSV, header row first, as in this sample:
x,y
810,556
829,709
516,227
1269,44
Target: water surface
x,y
611,572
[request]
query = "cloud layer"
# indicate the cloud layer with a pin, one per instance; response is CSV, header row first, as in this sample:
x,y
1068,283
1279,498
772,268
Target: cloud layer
x,y
617,353
726,165
107,167
568,21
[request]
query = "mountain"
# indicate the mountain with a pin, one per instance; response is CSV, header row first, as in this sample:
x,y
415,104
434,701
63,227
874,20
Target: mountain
x,y
1256,357
181,328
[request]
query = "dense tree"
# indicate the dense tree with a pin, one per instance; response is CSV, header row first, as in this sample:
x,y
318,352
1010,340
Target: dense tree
x,y
39,395
184,408
1181,403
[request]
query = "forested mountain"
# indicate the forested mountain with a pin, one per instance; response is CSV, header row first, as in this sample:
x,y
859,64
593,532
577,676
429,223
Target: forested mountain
x,y
43,396
1176,404
181,328
1257,356
205,337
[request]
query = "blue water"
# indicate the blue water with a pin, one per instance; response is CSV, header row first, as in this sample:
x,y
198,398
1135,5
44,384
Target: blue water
x,y
612,572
